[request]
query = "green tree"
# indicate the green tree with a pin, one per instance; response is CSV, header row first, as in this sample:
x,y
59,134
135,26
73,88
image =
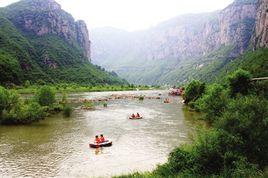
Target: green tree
x,y
27,84
213,102
3,100
45,96
194,90
239,82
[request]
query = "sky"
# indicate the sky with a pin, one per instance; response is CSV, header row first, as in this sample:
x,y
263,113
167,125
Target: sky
x,y
133,15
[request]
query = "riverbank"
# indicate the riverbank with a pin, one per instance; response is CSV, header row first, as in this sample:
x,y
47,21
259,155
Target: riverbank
x,y
19,109
236,144
68,88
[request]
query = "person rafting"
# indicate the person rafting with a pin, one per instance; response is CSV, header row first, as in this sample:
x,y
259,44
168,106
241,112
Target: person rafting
x,y
102,139
138,115
133,115
166,100
97,139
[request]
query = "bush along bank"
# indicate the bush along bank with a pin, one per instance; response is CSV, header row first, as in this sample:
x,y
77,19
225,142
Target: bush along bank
x,y
27,88
236,144
15,111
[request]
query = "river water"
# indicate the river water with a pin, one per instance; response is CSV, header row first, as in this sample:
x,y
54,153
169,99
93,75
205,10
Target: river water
x,y
58,146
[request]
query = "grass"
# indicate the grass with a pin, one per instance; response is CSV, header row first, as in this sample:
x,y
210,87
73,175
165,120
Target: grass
x,y
76,88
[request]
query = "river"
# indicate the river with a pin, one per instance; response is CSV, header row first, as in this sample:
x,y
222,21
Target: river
x,y
58,146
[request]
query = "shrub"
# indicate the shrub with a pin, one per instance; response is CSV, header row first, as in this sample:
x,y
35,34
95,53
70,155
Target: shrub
x,y
8,100
209,151
23,113
32,112
141,98
215,152
67,111
41,82
238,166
213,102
88,105
180,160
239,82
247,118
260,88
64,100
194,90
3,99
55,108
27,84
45,96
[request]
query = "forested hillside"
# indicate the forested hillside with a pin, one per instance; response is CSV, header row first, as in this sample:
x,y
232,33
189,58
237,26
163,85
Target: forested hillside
x,y
40,42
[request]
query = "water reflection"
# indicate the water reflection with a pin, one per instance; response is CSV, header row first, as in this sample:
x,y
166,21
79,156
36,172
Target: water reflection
x,y
98,151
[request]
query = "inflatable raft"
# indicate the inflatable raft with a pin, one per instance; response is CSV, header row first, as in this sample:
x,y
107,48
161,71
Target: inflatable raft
x,y
103,144
133,118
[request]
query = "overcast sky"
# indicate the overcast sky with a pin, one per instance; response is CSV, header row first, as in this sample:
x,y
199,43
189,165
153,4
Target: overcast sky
x,y
132,14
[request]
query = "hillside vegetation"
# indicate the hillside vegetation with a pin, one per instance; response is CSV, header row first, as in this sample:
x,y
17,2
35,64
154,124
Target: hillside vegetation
x,y
26,55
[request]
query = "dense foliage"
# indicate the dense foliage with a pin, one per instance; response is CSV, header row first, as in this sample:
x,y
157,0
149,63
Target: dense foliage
x,y
45,96
25,56
256,62
80,88
239,82
194,90
213,102
209,68
14,110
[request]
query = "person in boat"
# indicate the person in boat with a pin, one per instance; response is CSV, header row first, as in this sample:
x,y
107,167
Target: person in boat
x,y
102,139
133,115
138,115
97,139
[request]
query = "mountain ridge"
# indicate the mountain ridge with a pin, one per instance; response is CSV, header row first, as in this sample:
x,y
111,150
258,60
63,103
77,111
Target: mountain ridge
x,y
182,43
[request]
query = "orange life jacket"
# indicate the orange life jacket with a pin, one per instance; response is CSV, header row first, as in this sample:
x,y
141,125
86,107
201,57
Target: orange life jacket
x,y
97,140
102,139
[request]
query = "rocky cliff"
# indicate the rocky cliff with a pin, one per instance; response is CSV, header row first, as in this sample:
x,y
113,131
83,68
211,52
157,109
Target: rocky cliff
x,y
41,43
83,37
261,38
237,23
181,43
44,17
198,34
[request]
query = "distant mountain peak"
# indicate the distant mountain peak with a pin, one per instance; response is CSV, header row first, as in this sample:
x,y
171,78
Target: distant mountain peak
x,y
45,17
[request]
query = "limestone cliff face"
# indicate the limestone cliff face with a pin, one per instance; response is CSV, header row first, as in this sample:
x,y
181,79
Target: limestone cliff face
x,y
46,17
261,38
237,23
198,34
83,37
